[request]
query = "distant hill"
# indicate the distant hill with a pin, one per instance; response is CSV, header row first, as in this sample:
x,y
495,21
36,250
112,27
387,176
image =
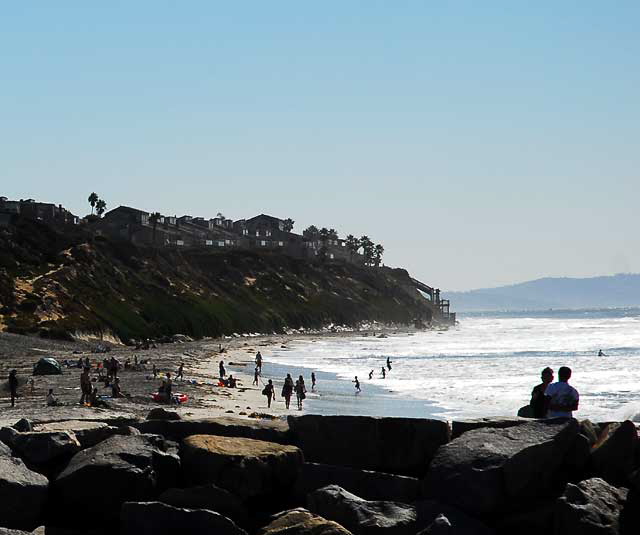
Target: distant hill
x,y
561,292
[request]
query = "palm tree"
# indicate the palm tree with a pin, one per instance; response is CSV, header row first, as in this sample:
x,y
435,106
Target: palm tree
x,y
154,218
288,224
378,251
311,233
101,207
324,235
367,249
93,199
353,244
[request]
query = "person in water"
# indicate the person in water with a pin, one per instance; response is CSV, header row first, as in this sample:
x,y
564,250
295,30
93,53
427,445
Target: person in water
x,y
313,381
384,373
601,354
301,391
389,363
370,375
538,401
259,362
562,398
269,392
357,385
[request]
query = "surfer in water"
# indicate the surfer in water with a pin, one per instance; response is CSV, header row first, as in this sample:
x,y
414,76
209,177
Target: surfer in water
x,y
389,363
370,375
357,385
601,354
384,373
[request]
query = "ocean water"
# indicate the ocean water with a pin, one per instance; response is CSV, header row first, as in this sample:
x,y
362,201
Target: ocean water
x,y
485,366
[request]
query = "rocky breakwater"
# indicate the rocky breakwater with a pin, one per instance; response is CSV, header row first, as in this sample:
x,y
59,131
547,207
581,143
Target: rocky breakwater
x,y
318,475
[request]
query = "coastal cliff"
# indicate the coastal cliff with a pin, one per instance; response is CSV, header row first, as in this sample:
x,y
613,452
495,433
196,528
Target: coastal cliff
x,y
65,284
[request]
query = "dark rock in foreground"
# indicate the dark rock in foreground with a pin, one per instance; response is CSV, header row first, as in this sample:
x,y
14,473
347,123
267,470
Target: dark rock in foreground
x,y
22,493
427,512
364,483
245,467
122,468
458,427
490,470
302,522
614,456
362,517
154,518
394,445
591,507
206,497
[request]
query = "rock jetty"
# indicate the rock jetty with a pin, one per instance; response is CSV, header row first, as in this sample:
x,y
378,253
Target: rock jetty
x,y
319,475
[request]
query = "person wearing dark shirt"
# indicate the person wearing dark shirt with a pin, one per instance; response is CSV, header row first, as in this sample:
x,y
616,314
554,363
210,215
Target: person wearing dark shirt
x,y
13,386
538,401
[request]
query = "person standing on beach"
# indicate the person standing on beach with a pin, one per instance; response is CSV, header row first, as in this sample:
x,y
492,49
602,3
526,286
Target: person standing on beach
x,y
270,392
223,372
357,385
259,362
180,374
313,381
301,391
155,371
85,386
287,390
370,375
13,386
538,401
255,377
389,363
562,398
384,373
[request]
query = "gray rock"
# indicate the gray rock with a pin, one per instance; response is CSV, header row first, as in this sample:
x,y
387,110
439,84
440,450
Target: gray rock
x,y
613,457
88,433
462,426
160,413
206,497
5,531
362,517
489,470
536,520
267,430
589,430
302,522
39,448
23,493
364,483
591,507
119,469
394,445
427,512
23,425
439,526
155,518
247,468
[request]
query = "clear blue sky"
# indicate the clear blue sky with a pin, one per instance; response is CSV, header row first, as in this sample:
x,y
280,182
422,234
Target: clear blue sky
x,y
482,143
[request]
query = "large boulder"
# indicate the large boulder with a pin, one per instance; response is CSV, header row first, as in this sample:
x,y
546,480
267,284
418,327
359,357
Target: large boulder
x,y
23,493
362,517
206,497
155,518
39,448
245,467
364,483
395,445
614,456
462,426
47,366
119,469
267,430
87,433
160,413
302,522
591,507
490,470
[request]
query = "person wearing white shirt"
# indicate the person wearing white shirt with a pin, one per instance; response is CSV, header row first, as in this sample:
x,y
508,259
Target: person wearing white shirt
x,y
562,398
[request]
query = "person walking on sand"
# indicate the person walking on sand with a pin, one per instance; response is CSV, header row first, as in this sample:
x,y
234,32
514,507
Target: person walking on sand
x,y
259,362
562,398
85,386
301,391
389,363
357,385
180,374
287,390
313,381
384,373
155,371
223,372
255,376
13,386
538,401
370,375
270,392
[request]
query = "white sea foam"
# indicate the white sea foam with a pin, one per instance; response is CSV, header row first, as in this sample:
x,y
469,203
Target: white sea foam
x,y
488,365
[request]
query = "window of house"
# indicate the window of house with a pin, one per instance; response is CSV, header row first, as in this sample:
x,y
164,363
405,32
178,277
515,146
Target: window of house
x,y
263,243
180,242
268,233
281,243
245,232
208,242
228,242
257,233
221,243
331,256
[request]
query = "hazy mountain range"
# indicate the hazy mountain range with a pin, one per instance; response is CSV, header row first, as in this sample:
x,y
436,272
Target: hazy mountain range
x,y
621,290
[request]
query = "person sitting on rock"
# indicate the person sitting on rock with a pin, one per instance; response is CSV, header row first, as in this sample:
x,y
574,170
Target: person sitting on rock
x,y
538,401
562,398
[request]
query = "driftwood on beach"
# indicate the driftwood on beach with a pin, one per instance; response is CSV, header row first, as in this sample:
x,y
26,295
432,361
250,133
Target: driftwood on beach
x,y
318,475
